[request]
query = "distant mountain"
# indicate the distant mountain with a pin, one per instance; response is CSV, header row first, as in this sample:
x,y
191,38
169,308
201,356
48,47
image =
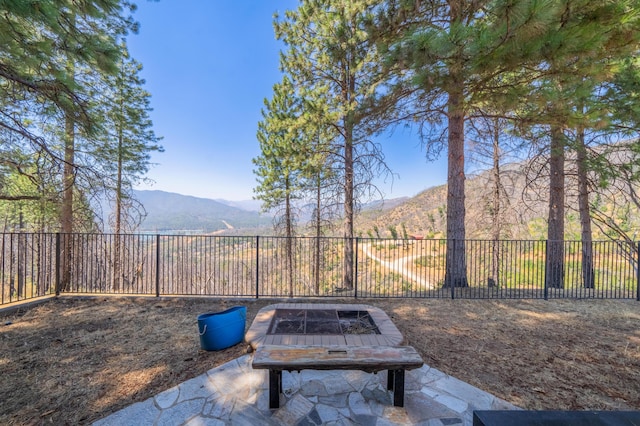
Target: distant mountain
x,y
248,205
172,212
383,205
168,211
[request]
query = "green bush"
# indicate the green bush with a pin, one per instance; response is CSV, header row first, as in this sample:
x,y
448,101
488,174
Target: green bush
x,y
394,231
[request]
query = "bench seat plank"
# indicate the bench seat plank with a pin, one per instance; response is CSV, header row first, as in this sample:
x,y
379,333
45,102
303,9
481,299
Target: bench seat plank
x,y
365,358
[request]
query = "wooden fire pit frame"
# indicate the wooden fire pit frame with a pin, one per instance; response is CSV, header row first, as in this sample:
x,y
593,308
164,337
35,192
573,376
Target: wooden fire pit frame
x,y
389,333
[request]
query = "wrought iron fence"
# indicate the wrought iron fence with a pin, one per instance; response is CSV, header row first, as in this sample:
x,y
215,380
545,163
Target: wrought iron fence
x,y
34,265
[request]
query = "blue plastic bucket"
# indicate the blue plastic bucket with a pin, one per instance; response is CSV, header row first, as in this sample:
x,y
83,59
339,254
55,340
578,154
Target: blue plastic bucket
x,y
220,330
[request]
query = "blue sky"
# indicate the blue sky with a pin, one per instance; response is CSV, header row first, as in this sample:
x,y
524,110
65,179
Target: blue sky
x,y
209,65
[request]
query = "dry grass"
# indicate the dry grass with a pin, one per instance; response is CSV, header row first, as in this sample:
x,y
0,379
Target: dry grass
x,y
72,361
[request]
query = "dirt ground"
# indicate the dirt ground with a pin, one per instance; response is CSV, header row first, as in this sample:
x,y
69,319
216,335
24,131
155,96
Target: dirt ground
x,y
73,361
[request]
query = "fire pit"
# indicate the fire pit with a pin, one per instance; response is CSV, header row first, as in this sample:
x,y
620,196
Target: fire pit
x,y
322,324
322,321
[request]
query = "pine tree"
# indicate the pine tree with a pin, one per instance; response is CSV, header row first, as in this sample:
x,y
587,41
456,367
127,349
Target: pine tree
x,y
281,165
336,67
125,150
129,139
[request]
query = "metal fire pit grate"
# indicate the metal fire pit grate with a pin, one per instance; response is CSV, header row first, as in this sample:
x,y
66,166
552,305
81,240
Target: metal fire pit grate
x,y
322,321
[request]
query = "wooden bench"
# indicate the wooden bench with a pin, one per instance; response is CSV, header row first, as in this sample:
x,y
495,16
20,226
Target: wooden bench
x,y
371,359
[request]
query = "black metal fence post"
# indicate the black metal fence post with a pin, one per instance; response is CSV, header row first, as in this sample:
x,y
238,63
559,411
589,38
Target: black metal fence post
x,y
257,266
57,273
355,272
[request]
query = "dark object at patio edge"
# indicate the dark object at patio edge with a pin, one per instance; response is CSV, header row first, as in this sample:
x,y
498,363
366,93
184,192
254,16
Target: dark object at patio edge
x,y
555,418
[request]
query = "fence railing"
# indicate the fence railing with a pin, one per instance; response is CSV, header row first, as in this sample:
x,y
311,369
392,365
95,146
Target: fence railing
x,y
34,265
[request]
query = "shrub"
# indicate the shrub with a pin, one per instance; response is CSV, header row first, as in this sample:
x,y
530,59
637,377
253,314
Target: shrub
x,y
394,231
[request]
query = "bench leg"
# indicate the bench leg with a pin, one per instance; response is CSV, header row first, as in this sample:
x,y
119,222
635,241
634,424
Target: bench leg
x,y
390,378
275,387
398,388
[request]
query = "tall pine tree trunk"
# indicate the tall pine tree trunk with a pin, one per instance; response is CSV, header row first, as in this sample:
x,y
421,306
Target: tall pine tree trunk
x,y
348,206
496,227
289,236
68,184
117,261
554,271
66,211
318,234
348,92
456,263
588,274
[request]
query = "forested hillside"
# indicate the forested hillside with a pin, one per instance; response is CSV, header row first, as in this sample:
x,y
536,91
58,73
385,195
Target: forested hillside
x,y
425,214
524,208
168,211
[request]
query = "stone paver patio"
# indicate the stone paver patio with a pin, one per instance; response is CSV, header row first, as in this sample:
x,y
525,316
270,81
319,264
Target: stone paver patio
x,y
235,394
